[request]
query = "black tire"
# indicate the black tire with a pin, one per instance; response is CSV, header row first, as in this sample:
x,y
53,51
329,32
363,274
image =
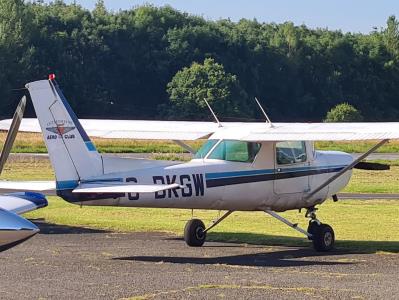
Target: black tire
x,y
312,228
194,234
323,237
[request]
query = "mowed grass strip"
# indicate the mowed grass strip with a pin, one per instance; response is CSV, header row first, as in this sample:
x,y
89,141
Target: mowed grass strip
x,y
364,181
359,225
33,143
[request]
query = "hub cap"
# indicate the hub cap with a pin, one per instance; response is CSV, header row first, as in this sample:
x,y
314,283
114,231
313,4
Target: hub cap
x,y
199,233
328,238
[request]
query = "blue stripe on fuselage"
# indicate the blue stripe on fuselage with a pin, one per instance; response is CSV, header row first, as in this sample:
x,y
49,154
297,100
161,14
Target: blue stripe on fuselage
x,y
72,184
266,171
241,177
90,146
67,185
94,181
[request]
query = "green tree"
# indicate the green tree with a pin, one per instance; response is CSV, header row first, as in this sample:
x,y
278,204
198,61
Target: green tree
x,y
343,112
391,36
128,57
15,33
190,86
12,14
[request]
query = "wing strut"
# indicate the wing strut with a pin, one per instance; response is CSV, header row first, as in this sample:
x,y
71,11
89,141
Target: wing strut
x,y
185,146
348,167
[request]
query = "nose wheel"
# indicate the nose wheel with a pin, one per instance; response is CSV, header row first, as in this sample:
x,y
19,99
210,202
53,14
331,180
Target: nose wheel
x,y
194,233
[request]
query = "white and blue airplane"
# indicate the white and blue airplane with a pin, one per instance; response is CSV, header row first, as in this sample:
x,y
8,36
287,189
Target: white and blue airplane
x,y
13,228
241,167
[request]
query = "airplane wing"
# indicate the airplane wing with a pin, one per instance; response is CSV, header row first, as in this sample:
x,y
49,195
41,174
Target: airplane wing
x,y
130,129
47,188
182,130
124,188
311,132
20,203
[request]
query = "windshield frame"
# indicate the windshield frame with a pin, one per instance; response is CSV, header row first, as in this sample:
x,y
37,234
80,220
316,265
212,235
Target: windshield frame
x,y
217,142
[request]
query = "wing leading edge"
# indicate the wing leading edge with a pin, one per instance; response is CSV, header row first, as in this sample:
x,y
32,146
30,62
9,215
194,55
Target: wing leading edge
x,y
47,188
311,132
130,129
182,130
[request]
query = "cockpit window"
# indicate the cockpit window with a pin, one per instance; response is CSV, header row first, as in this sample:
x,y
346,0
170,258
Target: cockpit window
x,y
238,151
203,151
290,152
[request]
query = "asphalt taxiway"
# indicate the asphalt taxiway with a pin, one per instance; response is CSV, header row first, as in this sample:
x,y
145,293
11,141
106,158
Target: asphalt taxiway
x,y
77,263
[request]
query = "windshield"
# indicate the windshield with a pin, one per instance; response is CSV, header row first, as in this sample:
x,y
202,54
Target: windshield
x,y
203,151
238,151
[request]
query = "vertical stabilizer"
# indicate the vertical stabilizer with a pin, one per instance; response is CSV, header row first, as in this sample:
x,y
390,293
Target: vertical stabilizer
x,y
72,154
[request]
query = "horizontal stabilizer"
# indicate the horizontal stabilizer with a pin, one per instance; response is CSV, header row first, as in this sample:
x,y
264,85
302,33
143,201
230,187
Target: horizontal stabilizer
x,y
89,188
20,203
47,188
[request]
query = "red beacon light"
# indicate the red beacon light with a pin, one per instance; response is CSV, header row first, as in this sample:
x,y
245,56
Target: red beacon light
x,y
51,77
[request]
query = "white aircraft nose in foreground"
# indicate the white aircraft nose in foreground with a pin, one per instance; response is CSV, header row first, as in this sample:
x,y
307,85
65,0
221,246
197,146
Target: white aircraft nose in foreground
x,y
242,167
14,230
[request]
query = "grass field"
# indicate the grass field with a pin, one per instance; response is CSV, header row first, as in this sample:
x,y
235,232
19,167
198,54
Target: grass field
x,y
374,181
33,143
359,225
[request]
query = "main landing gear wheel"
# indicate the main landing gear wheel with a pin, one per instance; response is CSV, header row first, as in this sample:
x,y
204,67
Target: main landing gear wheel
x,y
322,236
194,233
312,227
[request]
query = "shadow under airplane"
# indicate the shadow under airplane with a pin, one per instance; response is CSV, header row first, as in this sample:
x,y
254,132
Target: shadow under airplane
x,y
49,228
297,252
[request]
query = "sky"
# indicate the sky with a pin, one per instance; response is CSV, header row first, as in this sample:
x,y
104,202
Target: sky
x,y
346,15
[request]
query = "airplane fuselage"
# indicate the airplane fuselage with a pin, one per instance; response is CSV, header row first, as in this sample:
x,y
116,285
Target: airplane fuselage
x,y
220,184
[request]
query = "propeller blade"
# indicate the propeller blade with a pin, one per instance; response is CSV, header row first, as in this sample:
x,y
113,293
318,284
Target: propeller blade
x,y
12,132
364,165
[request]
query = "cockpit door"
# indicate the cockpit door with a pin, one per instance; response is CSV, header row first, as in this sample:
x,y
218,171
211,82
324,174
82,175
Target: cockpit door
x,y
291,173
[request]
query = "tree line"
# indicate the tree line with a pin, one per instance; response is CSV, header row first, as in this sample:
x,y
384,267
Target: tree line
x,y
150,62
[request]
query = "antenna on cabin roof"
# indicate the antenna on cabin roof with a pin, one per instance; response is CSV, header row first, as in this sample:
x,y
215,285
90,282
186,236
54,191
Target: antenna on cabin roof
x,y
214,115
264,112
